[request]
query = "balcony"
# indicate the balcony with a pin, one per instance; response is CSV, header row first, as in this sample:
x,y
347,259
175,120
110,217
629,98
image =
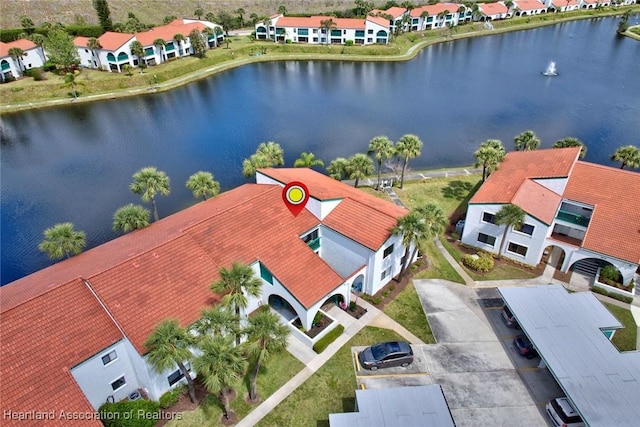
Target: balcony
x,y
573,218
314,244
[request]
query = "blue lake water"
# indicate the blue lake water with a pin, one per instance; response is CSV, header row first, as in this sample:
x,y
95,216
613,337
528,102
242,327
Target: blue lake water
x,y
75,163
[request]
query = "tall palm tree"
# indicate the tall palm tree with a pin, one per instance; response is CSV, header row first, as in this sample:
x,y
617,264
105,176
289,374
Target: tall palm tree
x,y
511,216
148,182
236,284
240,11
307,160
526,141
94,45
17,54
382,149
434,218
266,336
218,320
408,147
131,217
71,82
137,49
179,39
202,184
572,142
222,366
489,155
359,167
412,228
628,155
338,168
327,25
160,44
267,155
62,240
168,346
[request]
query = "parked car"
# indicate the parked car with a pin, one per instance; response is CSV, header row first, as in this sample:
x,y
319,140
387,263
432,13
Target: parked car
x,y
508,318
563,414
386,354
525,347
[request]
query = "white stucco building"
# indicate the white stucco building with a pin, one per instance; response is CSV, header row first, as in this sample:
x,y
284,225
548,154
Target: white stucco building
x,y
33,57
587,214
73,334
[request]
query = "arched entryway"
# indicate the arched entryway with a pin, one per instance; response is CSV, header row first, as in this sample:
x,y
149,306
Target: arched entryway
x,y
282,307
585,270
554,256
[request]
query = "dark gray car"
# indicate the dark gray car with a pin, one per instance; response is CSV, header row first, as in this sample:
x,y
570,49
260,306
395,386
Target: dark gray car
x,y
386,354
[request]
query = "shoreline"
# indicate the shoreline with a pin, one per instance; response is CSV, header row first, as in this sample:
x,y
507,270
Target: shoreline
x,y
206,72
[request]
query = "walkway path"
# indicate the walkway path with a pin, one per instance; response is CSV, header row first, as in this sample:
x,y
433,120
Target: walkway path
x,y
419,176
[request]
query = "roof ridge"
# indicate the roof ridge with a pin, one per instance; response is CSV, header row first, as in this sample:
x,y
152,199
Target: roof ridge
x,y
37,295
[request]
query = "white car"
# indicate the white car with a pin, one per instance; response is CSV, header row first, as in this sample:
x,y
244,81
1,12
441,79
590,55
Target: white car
x,y
562,414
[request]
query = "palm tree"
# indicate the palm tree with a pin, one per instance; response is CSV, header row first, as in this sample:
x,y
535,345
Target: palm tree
x,y
179,38
137,49
267,155
266,336
148,182
70,82
160,44
17,54
237,283
408,146
489,155
221,366
62,240
307,160
511,216
198,12
424,15
203,184
412,228
572,142
39,39
169,345
358,167
526,141
434,218
327,25
216,321
240,11
131,217
338,168
382,148
628,156
94,45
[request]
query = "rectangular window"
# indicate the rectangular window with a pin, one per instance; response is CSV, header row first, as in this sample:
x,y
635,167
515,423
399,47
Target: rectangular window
x,y
359,33
315,40
118,384
369,31
486,239
266,274
385,273
109,357
388,251
369,40
488,217
315,31
517,249
526,229
303,32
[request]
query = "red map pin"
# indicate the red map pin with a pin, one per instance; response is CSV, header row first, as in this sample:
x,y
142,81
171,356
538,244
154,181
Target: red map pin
x,y
295,196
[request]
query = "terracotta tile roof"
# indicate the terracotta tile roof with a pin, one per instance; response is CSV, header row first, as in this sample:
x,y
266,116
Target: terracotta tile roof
x,y
395,11
518,166
614,228
379,21
113,41
565,3
435,9
23,44
529,5
491,9
42,340
81,41
537,200
316,22
166,32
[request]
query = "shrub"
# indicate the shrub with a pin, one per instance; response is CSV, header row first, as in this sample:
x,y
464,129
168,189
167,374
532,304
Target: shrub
x,y
138,413
352,306
610,272
331,336
348,43
171,397
36,73
613,295
482,261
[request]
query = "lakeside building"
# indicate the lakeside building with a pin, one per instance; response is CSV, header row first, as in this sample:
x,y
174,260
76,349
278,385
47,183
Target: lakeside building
x,y
583,215
439,15
73,334
311,30
14,67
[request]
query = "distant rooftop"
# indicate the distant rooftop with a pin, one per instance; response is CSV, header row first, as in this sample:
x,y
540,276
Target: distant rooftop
x,y
567,329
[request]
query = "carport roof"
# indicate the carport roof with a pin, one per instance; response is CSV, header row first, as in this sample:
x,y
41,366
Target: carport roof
x,y
602,383
397,406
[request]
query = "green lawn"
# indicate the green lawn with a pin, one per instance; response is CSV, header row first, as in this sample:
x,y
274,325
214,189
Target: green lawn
x,y
273,375
407,310
439,267
624,339
330,390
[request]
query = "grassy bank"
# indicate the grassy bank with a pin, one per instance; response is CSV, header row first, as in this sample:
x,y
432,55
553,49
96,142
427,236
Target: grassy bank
x,y
96,85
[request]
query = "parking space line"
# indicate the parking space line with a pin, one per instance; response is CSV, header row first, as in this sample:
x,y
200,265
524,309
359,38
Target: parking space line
x,y
412,374
357,362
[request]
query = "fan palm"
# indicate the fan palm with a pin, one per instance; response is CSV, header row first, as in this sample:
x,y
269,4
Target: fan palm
x,y
572,142
359,167
307,160
338,168
62,240
202,184
412,228
628,155
148,182
216,321
489,155
408,147
526,141
382,148
511,216
131,217
168,346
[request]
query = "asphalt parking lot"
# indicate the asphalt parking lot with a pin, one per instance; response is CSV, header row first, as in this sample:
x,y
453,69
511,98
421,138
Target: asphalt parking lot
x,y
484,380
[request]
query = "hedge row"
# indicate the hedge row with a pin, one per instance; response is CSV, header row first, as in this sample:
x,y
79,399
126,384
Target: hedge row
x,y
331,336
613,295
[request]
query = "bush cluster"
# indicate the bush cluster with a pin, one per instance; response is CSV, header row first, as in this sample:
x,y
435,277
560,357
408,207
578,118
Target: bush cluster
x,y
138,413
481,261
613,295
171,397
331,336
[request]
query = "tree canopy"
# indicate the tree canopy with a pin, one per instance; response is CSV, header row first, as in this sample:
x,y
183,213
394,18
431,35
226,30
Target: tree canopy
x,y
62,241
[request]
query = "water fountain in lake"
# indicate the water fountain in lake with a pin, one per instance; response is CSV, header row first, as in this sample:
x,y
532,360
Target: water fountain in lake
x,y
551,70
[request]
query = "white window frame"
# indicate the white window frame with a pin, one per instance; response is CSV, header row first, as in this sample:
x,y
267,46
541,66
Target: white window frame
x,y
386,255
385,273
487,222
485,243
118,379
111,360
516,253
533,229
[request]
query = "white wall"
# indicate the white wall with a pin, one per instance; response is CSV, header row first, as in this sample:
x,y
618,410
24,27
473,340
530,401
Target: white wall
x,y
377,264
557,185
341,253
95,378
